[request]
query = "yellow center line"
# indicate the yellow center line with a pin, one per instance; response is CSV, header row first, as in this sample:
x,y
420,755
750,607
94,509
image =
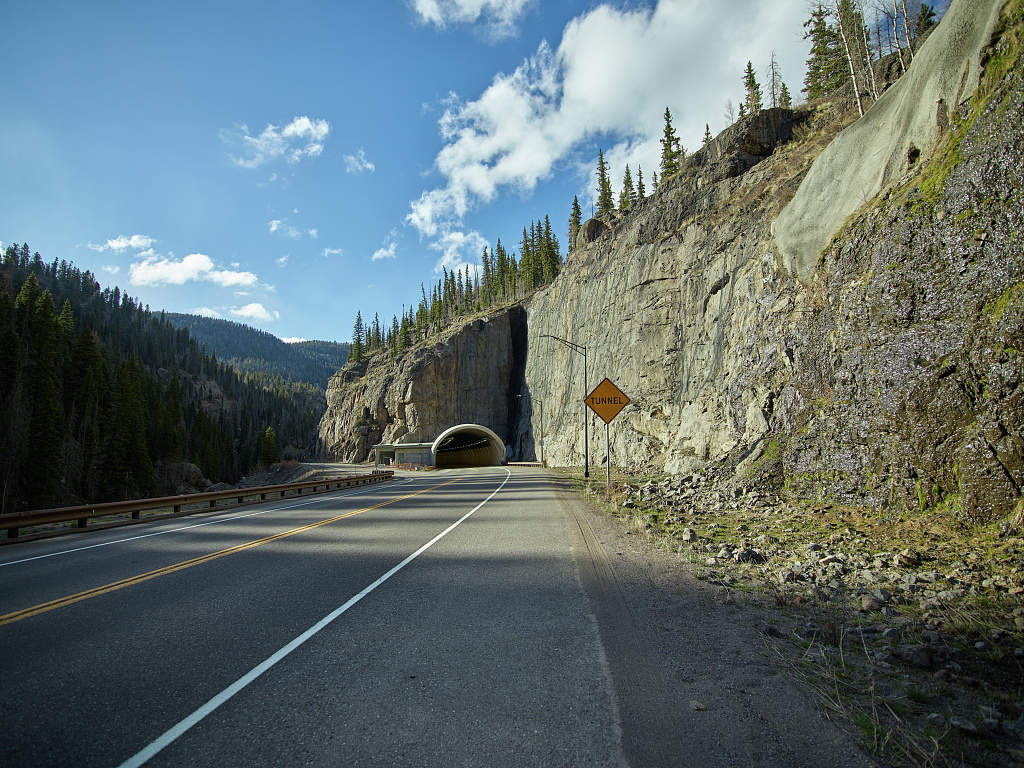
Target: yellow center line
x,y
60,602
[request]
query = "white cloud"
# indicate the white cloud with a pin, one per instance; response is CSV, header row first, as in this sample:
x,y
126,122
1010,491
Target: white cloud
x,y
459,249
281,226
206,312
389,249
358,162
254,311
156,270
609,80
124,242
301,138
499,16
385,252
111,269
283,261
293,339
328,252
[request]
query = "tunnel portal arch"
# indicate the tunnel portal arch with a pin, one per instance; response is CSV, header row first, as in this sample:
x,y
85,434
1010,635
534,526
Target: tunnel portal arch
x,y
468,445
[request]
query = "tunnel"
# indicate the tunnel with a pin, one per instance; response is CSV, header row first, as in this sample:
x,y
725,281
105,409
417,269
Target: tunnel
x,y
468,445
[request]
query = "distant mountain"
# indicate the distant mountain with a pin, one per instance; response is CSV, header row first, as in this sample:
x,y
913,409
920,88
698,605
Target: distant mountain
x,y
249,350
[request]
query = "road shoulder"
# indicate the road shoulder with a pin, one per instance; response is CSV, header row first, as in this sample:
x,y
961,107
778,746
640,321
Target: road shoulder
x,y
696,679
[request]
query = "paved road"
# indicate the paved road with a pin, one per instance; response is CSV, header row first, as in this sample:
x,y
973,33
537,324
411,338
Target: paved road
x,y
266,635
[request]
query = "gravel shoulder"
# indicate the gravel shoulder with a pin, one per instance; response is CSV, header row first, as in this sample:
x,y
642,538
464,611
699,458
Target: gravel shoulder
x,y
697,679
905,633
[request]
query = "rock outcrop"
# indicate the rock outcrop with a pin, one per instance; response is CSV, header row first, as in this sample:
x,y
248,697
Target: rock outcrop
x,y
888,375
470,375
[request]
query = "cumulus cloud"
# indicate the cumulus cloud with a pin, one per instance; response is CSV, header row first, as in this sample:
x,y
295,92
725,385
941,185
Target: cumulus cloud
x,y
302,138
283,261
357,163
196,267
389,249
328,252
499,16
207,312
609,80
124,242
254,311
111,269
293,339
459,249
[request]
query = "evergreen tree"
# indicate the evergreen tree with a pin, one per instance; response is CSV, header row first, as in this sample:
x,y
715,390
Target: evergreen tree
x,y
925,19
785,100
641,193
670,149
575,221
628,195
743,110
268,447
358,333
752,90
707,134
824,65
654,180
605,202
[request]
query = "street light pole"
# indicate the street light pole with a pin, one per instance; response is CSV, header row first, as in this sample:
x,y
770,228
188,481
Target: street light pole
x,y
586,429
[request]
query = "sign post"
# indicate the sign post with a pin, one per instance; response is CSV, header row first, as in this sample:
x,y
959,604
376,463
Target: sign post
x,y
607,401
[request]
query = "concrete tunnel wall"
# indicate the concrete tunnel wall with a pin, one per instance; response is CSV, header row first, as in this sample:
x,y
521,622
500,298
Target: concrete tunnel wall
x,y
468,445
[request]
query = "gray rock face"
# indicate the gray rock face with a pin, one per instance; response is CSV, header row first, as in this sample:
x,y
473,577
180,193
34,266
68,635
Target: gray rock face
x,y
468,376
888,376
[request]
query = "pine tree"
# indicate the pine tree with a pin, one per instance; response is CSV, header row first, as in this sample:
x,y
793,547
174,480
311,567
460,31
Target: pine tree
x,y
743,110
752,90
641,193
824,65
605,202
785,100
670,150
628,195
654,180
268,447
925,19
575,221
707,134
355,350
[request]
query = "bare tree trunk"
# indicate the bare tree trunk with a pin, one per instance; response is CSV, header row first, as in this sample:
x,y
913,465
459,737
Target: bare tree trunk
x,y
906,28
896,36
867,59
878,34
849,59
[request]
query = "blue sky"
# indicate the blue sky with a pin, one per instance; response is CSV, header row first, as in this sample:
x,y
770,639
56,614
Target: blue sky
x,y
284,165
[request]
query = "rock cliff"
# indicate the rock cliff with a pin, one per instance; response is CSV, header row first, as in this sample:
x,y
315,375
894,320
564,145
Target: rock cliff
x,y
875,361
467,375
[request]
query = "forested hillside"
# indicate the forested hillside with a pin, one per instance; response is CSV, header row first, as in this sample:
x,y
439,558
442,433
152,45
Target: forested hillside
x,y
97,391
249,350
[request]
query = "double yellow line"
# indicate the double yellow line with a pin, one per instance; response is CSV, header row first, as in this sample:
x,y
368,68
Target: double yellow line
x,y
60,602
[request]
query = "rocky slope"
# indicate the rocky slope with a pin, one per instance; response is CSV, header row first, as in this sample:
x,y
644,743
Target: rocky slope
x,y
882,371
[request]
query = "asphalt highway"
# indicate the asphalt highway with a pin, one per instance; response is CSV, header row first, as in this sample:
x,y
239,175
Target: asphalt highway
x,y
435,620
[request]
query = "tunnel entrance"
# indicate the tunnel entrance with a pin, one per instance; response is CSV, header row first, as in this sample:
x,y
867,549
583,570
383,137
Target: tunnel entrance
x,y
468,445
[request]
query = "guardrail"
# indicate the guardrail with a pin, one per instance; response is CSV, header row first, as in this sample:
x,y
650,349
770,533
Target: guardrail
x,y
82,514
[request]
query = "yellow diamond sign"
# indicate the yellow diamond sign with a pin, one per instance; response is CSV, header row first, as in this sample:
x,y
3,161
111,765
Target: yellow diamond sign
x,y
606,401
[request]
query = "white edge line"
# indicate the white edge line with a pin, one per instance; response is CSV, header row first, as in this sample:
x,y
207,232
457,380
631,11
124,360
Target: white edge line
x,y
172,734
311,499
